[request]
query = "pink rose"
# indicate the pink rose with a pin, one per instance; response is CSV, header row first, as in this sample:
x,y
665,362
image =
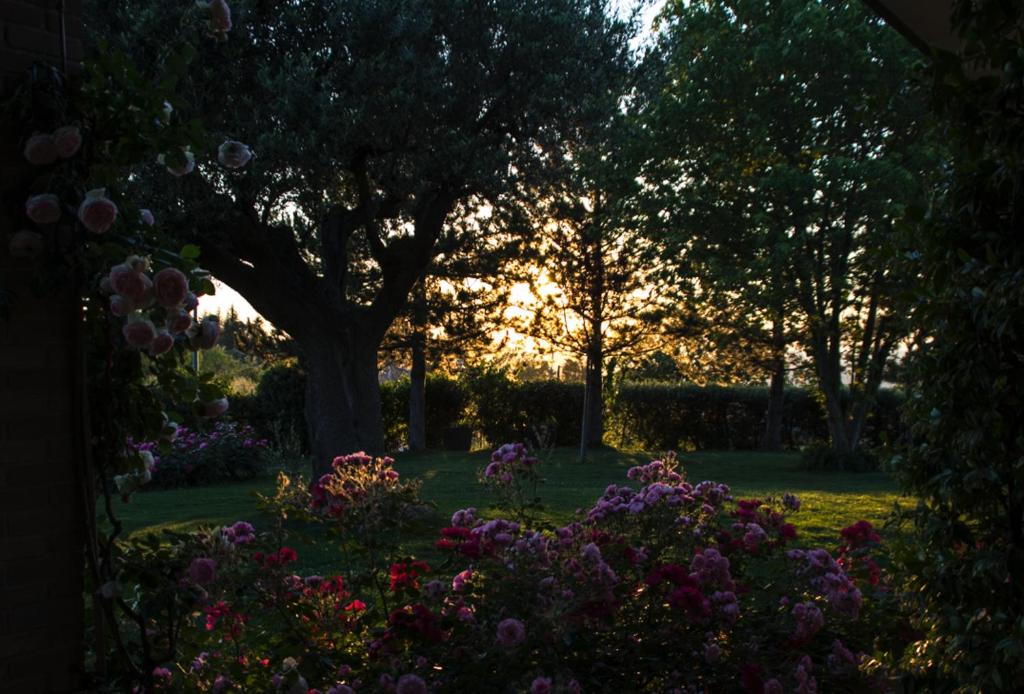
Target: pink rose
x,y
129,283
97,213
511,632
43,209
120,306
220,16
171,287
182,170
206,333
179,323
202,571
68,141
139,332
411,684
41,150
147,217
234,154
541,685
161,344
215,408
26,244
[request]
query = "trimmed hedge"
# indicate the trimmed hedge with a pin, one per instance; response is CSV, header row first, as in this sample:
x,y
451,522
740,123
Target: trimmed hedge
x,y
689,417
446,406
278,407
647,416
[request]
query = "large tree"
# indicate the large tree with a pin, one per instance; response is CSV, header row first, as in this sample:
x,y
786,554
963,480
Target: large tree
x,y
596,292
374,123
452,311
786,142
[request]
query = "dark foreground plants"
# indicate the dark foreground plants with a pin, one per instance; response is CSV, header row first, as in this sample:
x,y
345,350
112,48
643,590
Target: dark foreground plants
x,y
661,585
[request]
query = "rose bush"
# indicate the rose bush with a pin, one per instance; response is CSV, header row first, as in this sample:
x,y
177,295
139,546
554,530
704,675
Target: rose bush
x,y
660,586
228,451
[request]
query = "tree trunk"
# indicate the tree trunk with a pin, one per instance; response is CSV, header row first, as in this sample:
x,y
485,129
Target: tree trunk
x,y
593,412
772,438
342,399
836,419
418,393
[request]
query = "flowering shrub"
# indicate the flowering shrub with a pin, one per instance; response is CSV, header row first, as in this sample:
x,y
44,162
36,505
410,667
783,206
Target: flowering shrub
x,y
362,501
229,451
666,586
512,476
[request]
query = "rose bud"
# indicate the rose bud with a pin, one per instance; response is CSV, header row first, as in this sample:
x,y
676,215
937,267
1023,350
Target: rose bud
x,y
161,343
139,331
121,306
41,150
182,170
206,334
97,213
234,154
26,244
170,287
139,263
179,323
215,408
220,16
68,141
147,217
43,209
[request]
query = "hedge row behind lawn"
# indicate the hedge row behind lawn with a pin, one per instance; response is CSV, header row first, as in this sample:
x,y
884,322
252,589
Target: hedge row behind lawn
x,y
645,416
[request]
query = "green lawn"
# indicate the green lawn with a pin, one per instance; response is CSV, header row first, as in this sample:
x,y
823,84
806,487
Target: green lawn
x,y
830,500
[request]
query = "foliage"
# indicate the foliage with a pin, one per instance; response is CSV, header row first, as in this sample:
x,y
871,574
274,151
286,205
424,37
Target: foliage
x,y
513,477
963,563
363,502
366,155
446,401
540,412
820,457
650,575
785,142
596,292
690,417
644,415
277,408
228,452
82,138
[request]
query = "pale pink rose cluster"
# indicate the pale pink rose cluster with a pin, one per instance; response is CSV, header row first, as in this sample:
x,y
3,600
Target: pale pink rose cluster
x,y
97,212
133,292
46,148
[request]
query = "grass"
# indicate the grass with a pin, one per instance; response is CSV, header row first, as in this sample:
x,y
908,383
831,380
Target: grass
x,y
831,500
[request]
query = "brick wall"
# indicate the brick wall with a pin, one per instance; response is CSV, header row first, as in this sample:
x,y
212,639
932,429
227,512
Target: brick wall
x,y
41,562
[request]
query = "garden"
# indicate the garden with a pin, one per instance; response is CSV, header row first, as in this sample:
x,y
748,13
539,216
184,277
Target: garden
x,y
552,347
